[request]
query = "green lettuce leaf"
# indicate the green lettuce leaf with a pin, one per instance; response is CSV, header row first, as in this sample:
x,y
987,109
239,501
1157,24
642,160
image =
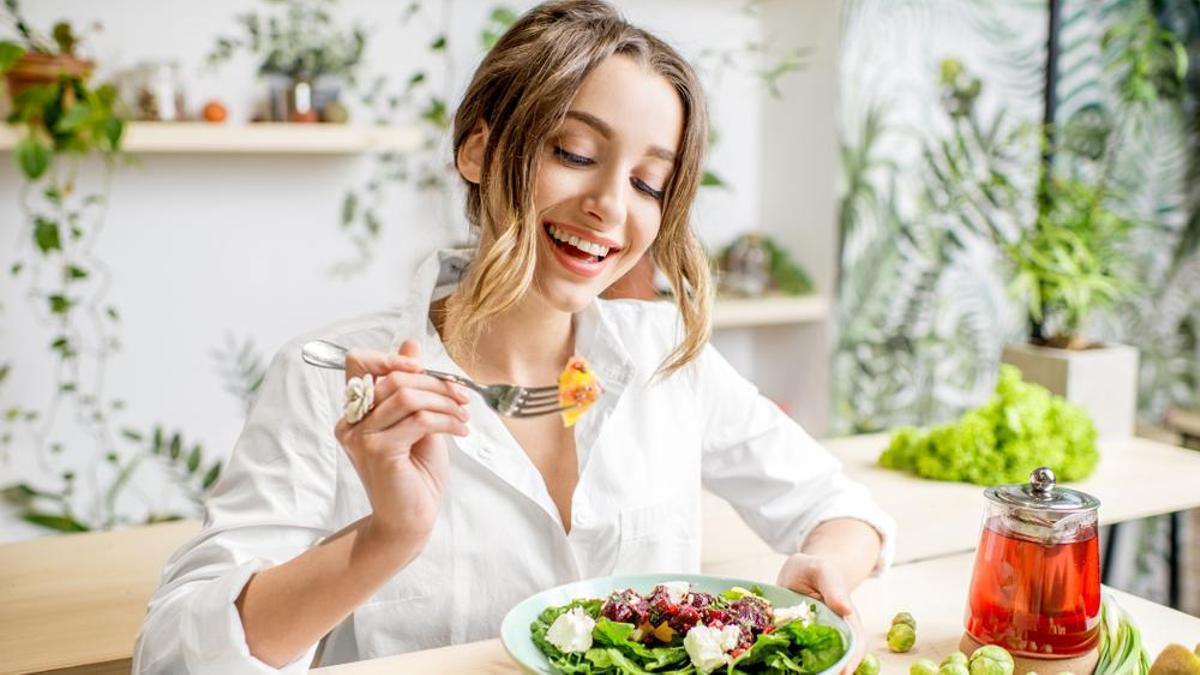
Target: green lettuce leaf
x,y
1023,426
617,635
820,646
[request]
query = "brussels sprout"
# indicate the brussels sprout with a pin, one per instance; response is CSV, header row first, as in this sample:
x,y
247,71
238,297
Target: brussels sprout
x,y
905,617
991,660
956,657
900,637
954,668
869,665
923,667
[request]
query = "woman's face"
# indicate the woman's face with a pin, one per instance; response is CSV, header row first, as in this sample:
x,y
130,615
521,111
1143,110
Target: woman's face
x,y
598,191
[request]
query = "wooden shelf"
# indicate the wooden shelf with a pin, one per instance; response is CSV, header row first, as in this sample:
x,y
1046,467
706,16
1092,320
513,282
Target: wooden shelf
x,y
769,311
262,138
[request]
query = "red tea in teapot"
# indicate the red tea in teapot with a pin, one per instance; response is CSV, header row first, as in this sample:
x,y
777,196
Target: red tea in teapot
x,y
1036,598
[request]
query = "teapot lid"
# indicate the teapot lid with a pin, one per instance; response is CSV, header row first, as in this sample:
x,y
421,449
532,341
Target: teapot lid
x,y
1041,493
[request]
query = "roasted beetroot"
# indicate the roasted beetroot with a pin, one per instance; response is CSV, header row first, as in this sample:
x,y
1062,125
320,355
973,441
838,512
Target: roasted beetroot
x,y
625,606
753,614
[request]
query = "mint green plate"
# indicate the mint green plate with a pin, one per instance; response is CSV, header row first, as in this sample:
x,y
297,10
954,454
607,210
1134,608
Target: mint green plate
x,y
514,631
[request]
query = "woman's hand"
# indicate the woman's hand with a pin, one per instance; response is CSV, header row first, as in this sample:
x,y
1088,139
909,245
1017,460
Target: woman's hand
x,y
819,578
397,448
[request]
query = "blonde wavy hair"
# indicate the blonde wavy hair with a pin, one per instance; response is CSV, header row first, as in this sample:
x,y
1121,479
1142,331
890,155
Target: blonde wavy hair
x,y
522,91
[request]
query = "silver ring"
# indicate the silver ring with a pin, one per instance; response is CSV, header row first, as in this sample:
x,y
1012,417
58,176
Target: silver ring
x,y
359,398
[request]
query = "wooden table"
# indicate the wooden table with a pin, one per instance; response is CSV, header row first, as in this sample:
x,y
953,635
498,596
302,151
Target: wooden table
x,y
74,603
76,600
933,591
1135,478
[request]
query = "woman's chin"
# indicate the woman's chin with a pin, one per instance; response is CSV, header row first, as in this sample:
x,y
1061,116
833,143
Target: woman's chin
x,y
568,300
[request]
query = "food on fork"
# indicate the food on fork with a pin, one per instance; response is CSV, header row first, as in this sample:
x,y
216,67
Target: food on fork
x,y
578,389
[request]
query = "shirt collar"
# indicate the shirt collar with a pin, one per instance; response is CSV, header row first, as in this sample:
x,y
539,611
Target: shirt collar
x,y
596,339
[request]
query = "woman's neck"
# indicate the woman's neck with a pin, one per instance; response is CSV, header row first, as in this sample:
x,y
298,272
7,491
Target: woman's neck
x,y
527,344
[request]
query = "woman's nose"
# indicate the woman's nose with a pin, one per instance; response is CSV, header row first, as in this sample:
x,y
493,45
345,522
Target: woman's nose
x,y
605,199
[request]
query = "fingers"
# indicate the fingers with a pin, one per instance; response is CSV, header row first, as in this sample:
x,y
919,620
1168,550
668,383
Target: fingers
x,y
398,437
833,589
411,349
396,381
405,401
860,650
362,361
424,423
860,641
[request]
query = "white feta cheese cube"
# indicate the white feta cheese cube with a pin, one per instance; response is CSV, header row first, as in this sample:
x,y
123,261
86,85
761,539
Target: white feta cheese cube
x,y
709,648
803,613
572,631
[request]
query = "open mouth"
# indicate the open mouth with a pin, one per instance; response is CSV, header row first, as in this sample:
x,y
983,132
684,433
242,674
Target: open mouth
x,y
576,247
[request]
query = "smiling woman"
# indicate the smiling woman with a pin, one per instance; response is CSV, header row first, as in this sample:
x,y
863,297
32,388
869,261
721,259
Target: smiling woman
x,y
621,124
424,515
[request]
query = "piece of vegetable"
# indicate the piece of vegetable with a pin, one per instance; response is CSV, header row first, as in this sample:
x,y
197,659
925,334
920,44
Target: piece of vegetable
x,y
955,668
905,617
1121,650
923,667
1022,427
900,637
991,660
868,666
956,657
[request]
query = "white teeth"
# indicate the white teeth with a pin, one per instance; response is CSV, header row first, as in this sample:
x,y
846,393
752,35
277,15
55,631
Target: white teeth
x,y
581,244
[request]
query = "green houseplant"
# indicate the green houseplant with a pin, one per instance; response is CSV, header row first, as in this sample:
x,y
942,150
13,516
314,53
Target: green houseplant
x,y
1074,262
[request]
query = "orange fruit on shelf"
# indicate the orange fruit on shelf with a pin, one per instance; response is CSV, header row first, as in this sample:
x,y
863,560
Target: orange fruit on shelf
x,y
214,111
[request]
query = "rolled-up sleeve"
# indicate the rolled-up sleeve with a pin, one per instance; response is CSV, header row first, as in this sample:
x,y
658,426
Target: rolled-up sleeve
x,y
775,475
272,502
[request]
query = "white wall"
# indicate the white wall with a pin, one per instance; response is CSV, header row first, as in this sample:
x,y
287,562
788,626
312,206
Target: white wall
x,y
207,247
799,173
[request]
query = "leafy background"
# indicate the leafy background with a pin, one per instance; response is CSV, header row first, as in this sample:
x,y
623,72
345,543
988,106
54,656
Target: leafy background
x,y
194,293
923,310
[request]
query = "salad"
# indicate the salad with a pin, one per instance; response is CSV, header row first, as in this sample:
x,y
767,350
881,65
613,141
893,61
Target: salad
x,y
680,631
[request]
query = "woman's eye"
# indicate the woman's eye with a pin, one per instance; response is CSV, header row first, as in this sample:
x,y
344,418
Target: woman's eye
x,y
572,158
644,187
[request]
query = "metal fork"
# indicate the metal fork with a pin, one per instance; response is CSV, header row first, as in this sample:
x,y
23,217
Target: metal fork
x,y
507,399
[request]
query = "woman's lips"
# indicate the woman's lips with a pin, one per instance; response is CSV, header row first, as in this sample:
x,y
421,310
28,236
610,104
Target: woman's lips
x,y
585,268
588,235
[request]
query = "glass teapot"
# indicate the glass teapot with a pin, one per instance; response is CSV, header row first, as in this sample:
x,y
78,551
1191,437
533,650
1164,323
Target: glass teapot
x,y
1036,586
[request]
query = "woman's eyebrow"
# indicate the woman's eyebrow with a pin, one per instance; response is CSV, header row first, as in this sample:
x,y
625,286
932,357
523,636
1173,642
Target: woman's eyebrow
x,y
606,130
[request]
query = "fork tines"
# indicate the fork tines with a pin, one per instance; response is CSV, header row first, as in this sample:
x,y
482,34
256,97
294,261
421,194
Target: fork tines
x,y
535,411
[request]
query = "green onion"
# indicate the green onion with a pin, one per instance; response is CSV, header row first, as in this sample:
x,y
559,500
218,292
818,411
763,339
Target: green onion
x,y
1121,649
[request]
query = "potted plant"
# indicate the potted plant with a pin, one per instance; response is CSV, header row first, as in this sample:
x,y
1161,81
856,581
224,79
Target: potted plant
x,y
37,59
298,49
1071,262
1065,268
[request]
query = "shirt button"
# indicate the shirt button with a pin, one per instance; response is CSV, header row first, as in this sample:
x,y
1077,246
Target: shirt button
x,y
582,519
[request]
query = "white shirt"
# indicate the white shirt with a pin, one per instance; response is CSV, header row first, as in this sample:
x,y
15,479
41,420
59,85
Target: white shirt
x,y
645,450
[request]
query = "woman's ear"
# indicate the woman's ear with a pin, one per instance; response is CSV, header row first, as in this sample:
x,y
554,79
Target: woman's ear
x,y
470,154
